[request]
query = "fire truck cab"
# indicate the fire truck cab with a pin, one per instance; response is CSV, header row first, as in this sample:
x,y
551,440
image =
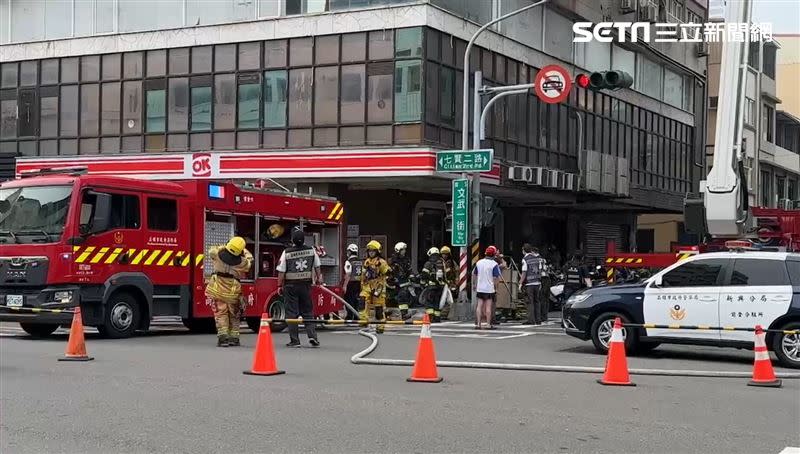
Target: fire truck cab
x,y
127,250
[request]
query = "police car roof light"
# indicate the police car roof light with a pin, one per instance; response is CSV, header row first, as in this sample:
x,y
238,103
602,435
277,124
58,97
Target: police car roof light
x,y
741,245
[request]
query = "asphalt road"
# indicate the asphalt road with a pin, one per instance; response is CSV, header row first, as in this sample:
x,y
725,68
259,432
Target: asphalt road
x,y
170,391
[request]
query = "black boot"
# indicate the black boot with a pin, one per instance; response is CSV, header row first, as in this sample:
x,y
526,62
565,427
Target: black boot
x,y
233,342
222,340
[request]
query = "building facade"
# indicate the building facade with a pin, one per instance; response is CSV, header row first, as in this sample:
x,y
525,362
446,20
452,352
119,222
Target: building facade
x,y
126,77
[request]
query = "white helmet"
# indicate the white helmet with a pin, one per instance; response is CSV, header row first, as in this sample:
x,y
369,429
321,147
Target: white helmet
x,y
352,249
433,250
400,246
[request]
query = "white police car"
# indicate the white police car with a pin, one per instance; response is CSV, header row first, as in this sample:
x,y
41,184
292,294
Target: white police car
x,y
716,290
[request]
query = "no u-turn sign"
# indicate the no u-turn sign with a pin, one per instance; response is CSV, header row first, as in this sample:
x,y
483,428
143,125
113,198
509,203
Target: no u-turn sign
x,y
552,84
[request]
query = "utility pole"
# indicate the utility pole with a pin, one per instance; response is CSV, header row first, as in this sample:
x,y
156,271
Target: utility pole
x,y
476,178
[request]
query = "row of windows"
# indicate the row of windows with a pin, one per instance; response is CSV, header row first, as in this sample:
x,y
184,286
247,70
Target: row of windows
x,y
162,214
750,272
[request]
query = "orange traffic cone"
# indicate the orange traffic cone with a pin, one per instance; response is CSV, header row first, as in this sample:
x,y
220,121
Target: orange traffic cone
x,y
425,364
763,374
616,364
264,356
76,345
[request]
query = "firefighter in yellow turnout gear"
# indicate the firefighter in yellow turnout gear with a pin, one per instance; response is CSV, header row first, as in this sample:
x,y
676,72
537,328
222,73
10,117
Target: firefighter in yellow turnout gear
x,y
373,284
231,262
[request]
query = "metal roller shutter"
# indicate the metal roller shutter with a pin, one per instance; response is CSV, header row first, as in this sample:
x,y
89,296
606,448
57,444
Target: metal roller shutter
x,y
597,235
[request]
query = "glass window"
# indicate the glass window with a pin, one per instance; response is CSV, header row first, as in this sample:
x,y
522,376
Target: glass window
x,y
275,54
247,139
9,75
48,116
275,99
131,65
432,44
201,108
48,148
447,96
177,142
558,39
68,147
201,59
57,23
138,15
768,121
352,97
29,73
179,61
249,56
597,56
301,51
112,65
178,103
156,63
156,111
353,135
69,110
275,138
8,118
673,88
162,214
109,145
794,272
155,143
224,101
699,273
110,114
90,110
90,68
379,92
50,72
299,138
651,77
249,101
624,60
408,90
131,107
225,57
104,17
354,47
132,144
408,134
300,89
326,95
409,42
326,137
89,146
200,141
379,135
269,8
381,45
759,272
69,70
327,50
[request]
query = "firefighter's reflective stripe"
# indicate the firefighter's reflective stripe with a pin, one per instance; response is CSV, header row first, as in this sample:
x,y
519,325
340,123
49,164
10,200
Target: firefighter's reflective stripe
x,y
165,257
186,260
152,257
616,260
113,256
99,256
139,257
341,213
199,259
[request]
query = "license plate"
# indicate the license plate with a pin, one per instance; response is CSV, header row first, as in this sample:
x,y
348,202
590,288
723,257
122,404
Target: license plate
x,y
14,300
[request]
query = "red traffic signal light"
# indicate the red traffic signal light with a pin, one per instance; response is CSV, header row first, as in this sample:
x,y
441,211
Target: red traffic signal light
x,y
582,80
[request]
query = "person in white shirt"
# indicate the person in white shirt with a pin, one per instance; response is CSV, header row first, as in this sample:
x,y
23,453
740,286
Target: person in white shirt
x,y
486,277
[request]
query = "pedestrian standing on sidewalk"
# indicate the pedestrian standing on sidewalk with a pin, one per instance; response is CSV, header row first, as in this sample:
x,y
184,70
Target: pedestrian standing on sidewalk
x,y
299,265
531,283
486,278
231,263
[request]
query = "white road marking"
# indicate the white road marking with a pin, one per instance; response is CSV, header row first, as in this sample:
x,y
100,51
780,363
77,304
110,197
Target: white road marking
x,y
790,450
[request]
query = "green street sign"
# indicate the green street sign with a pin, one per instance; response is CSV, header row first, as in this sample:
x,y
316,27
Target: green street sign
x,y
464,160
460,233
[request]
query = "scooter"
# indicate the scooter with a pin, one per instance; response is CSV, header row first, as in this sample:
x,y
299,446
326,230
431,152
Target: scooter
x,y
556,296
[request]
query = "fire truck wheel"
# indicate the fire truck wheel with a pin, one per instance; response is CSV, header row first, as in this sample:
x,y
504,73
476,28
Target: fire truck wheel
x,y
787,346
121,316
38,329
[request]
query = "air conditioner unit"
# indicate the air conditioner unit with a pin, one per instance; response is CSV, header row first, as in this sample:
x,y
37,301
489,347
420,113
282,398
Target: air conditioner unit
x,y
608,180
556,179
649,13
590,167
623,177
540,176
627,6
518,173
570,182
702,49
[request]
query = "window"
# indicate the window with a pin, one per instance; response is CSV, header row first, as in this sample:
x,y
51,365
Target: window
x,y
8,118
29,73
69,110
769,60
379,92
674,11
275,99
109,114
780,188
178,103
249,102
753,55
352,94
111,66
766,188
131,65
794,272
408,90
225,57
651,76
326,95
124,211
408,42
300,81
699,273
156,63
178,61
90,68
69,70
354,47
768,122
162,214
749,111
201,59
201,103
301,51
50,72
759,272
49,115
327,50
224,101
447,96
249,56
275,54
131,107
156,111
381,45
90,110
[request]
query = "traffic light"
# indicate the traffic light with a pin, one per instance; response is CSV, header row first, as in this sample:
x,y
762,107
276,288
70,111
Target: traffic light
x,y
448,218
604,80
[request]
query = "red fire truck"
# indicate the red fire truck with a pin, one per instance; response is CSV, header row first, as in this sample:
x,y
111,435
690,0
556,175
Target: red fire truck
x,y
127,250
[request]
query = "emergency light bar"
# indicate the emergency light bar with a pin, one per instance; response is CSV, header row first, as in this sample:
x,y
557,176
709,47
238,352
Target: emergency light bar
x,y
741,245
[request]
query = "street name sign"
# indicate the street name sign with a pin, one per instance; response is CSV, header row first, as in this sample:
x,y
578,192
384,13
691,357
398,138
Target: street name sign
x,y
460,231
464,160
